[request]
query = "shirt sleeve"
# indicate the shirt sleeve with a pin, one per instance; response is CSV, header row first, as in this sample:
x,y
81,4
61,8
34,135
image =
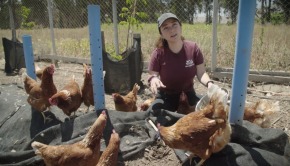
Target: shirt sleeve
x,y
154,62
198,56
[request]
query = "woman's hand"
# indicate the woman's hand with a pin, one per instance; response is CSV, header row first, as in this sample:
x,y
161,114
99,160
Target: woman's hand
x,y
155,83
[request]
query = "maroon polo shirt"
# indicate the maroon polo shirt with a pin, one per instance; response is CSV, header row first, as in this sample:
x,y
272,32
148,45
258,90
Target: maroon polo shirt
x,y
177,70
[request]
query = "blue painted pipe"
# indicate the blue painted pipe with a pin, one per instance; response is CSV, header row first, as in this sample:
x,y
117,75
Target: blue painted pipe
x,y
96,55
28,55
246,17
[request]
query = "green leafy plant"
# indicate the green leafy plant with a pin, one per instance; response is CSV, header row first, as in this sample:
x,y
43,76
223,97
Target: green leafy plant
x,y
132,17
277,18
26,24
112,53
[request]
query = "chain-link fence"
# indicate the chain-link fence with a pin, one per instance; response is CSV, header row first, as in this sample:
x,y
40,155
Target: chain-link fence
x,y
70,22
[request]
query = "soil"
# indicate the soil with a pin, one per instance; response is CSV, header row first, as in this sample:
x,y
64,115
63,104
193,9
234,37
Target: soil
x,y
158,154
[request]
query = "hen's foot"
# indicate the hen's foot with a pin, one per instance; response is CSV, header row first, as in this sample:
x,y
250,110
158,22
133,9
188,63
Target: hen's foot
x,y
46,119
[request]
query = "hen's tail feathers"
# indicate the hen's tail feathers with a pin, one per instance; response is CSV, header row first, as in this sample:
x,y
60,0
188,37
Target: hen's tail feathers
x,y
218,98
37,67
135,88
85,69
104,74
217,94
27,80
36,146
85,66
23,76
268,110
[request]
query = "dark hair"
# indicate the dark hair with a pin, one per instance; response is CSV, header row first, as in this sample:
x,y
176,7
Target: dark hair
x,y
162,43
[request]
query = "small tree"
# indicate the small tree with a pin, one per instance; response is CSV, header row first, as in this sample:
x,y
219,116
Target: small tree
x,y
25,23
132,18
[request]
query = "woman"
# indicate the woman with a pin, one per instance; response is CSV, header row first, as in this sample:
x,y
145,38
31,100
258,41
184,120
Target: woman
x,y
174,64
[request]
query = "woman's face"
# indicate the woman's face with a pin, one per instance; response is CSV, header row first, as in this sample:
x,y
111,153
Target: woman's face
x,y
171,30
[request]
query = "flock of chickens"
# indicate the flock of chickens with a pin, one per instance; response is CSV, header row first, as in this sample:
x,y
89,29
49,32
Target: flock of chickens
x,y
201,132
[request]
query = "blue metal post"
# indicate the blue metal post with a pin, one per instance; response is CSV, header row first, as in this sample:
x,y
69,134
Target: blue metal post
x,y
96,55
246,17
28,54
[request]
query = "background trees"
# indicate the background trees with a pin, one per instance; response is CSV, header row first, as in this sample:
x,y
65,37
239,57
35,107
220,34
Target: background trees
x,y
73,13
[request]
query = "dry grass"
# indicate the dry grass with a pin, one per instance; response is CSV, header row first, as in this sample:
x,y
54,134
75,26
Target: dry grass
x,y
270,51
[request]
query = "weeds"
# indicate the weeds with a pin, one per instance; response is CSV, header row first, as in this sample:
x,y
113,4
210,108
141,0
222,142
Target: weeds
x,y
270,48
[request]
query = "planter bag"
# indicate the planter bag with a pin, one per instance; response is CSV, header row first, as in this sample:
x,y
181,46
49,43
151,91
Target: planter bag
x,y
122,75
14,58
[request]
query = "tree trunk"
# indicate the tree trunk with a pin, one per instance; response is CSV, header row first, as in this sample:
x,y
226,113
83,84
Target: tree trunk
x,y
262,12
268,18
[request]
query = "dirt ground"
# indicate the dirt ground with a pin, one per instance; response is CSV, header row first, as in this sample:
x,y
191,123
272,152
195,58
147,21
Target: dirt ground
x,y
159,155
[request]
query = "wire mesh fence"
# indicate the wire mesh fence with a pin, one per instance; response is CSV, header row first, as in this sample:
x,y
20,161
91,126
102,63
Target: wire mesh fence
x,y
70,26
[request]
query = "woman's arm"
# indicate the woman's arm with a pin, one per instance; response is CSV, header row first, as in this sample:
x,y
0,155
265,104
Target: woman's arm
x,y
202,76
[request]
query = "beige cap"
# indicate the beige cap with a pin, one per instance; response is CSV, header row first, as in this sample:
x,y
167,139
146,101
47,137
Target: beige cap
x,y
164,17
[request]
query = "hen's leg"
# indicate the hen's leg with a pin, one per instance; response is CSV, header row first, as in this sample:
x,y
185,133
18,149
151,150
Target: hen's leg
x,y
190,157
45,118
200,162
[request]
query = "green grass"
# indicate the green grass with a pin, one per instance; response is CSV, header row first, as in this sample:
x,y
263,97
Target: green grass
x,y
270,50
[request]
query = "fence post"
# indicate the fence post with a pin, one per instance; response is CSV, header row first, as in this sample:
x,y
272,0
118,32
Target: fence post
x,y
115,21
246,17
214,36
12,26
28,54
51,31
96,56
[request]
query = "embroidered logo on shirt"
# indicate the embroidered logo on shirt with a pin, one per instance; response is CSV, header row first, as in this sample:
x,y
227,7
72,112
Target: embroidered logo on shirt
x,y
163,64
189,63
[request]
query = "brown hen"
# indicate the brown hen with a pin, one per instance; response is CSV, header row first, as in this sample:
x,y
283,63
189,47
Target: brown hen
x,y
87,87
83,153
126,103
261,113
69,98
184,107
110,154
202,132
146,104
39,93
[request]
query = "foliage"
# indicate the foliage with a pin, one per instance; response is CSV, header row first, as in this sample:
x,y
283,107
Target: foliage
x,y
73,13
208,7
231,9
112,53
115,56
4,17
284,7
132,17
38,12
25,23
277,18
